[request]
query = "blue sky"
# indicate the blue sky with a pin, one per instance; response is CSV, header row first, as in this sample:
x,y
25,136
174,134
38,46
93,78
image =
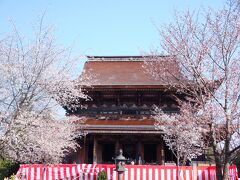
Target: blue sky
x,y
98,27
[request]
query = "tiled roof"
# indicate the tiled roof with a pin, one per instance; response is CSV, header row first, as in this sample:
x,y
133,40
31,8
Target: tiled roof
x,y
128,71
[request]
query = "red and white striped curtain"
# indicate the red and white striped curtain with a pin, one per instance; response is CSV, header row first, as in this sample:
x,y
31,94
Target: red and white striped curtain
x,y
134,172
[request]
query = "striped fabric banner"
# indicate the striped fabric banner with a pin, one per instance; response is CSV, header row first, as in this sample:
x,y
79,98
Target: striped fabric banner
x,y
134,172
57,172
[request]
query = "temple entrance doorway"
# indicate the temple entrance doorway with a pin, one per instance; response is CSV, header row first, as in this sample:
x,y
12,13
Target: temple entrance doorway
x,y
90,153
150,153
108,153
129,151
169,156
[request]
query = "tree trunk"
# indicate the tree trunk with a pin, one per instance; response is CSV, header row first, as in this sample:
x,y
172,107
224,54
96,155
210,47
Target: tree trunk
x,y
184,162
225,171
217,155
178,167
218,168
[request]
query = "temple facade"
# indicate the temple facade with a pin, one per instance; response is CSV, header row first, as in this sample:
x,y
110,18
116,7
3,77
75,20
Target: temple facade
x,y
119,113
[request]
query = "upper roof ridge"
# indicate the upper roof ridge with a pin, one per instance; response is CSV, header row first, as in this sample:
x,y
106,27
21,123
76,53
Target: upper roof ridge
x,y
119,58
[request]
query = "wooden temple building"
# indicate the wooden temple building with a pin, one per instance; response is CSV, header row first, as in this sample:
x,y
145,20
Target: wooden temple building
x,y
119,113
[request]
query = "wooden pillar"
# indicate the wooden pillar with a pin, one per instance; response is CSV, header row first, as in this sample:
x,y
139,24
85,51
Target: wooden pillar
x,y
163,153
95,150
160,153
139,98
86,148
160,99
82,159
99,98
81,151
99,153
118,99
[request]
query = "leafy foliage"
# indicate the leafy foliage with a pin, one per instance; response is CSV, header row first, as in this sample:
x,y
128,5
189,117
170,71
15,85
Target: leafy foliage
x,y
236,162
7,168
102,175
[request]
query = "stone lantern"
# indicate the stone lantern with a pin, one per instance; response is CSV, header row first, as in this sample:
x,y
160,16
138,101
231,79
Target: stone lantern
x,y
120,164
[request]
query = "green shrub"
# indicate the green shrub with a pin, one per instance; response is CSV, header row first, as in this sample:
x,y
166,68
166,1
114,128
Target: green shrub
x,y
236,162
102,175
12,177
7,168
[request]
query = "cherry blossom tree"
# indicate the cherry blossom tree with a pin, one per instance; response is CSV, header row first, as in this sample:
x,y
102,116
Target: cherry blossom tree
x,y
182,135
206,47
35,78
